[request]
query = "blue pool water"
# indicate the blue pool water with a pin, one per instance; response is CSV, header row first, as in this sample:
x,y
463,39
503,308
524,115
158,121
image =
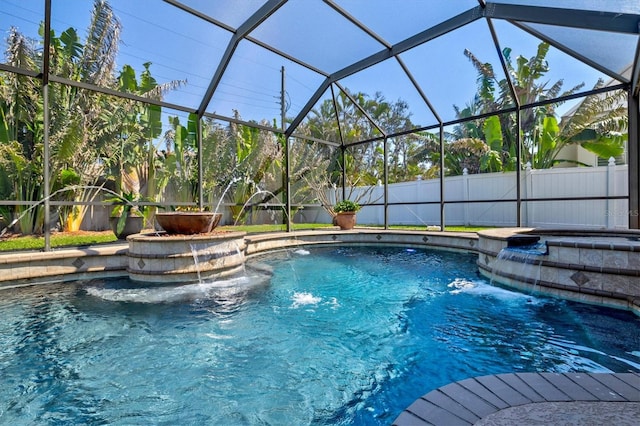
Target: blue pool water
x,y
330,336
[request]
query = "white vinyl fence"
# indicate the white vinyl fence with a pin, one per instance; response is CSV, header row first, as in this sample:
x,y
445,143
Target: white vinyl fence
x,y
464,197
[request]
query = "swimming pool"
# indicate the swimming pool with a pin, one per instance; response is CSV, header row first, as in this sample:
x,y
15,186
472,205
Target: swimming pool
x,y
328,336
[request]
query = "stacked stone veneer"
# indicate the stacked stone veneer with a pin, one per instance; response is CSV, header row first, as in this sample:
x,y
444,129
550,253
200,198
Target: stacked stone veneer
x,y
163,258
589,267
27,268
170,259
592,267
453,241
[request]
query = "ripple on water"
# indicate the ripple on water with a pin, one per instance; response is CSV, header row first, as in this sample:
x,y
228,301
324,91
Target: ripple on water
x,y
332,336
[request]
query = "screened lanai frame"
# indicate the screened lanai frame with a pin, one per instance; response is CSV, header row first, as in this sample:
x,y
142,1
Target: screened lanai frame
x,y
527,15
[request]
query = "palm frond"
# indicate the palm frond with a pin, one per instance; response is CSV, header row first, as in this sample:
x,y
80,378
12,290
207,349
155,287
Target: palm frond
x,y
101,48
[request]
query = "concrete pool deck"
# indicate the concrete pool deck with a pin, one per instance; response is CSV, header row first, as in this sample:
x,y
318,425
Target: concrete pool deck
x,y
530,399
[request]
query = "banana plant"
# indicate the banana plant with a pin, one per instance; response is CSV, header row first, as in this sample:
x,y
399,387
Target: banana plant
x,y
180,161
21,137
598,124
143,126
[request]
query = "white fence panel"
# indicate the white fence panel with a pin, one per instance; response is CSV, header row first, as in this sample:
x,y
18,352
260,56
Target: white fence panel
x,y
493,187
618,210
575,182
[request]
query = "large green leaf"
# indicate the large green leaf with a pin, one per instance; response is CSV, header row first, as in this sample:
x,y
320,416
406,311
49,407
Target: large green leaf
x,y
491,162
147,82
493,133
72,47
180,140
70,141
585,135
127,80
606,147
151,121
4,127
549,136
192,128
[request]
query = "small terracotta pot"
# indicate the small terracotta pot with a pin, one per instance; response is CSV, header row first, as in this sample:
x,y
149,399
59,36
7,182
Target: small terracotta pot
x,y
346,220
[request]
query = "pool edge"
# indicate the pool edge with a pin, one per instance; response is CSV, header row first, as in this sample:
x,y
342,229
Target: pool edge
x,y
510,398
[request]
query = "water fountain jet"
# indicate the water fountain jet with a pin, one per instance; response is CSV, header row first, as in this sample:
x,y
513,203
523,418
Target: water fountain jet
x,y
188,251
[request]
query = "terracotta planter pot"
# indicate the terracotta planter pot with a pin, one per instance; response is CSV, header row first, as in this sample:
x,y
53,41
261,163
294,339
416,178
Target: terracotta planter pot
x,y
346,220
188,223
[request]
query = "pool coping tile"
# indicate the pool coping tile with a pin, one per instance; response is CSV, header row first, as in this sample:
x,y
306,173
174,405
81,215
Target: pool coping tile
x,y
618,385
476,387
452,405
569,387
521,386
489,395
503,391
472,401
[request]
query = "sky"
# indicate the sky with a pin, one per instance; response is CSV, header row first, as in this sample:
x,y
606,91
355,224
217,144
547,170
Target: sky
x,y
185,48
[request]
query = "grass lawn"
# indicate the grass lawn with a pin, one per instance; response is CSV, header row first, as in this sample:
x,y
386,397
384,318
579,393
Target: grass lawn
x,y
58,239
85,238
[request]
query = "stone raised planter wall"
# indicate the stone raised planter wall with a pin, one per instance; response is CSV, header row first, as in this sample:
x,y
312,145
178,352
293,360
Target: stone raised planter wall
x,y
161,258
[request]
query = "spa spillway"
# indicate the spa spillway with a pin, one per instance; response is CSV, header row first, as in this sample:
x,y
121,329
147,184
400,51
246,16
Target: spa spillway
x,y
598,267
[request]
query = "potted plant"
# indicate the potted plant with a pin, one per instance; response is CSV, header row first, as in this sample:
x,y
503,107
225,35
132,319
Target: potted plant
x,y
345,211
126,216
